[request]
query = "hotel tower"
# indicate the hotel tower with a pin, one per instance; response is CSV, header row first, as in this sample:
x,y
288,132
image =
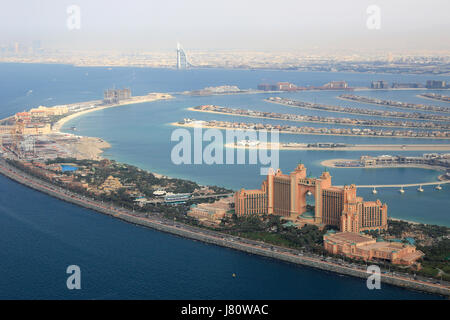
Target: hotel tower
x,y
312,200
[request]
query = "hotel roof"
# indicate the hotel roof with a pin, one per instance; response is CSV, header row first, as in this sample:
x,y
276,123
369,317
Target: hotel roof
x,y
350,237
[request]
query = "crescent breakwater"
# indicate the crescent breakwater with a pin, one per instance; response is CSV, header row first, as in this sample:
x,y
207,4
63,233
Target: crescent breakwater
x,y
356,147
434,97
232,242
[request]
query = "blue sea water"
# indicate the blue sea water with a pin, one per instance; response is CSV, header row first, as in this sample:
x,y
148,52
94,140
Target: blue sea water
x,y
40,236
141,134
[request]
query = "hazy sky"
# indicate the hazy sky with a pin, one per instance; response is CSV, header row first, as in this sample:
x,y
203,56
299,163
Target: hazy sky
x,y
328,25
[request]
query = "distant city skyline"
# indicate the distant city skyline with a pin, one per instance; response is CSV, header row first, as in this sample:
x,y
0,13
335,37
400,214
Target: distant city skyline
x,y
325,27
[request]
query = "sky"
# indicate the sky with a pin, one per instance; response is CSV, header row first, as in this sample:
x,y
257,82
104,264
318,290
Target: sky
x,y
326,26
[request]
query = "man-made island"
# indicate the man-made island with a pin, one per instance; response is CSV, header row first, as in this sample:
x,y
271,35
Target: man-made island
x,y
434,161
394,104
35,155
360,111
354,132
320,119
435,96
320,146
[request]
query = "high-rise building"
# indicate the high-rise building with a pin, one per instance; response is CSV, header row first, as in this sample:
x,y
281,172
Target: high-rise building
x,y
286,86
380,84
306,199
116,95
435,84
182,62
336,85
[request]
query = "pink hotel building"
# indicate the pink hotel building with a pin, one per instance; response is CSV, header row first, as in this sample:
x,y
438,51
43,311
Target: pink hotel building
x,y
286,195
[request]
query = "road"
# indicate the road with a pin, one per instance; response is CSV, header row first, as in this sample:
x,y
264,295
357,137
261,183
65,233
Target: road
x,y
51,189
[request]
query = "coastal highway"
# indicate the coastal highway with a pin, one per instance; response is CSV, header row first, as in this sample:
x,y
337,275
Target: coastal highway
x,y
153,220
206,196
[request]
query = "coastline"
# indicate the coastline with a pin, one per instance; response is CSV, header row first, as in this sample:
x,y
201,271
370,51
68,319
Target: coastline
x,y
93,147
428,98
212,237
134,100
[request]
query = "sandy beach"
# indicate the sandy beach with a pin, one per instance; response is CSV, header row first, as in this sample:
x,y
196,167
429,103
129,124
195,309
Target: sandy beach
x,y
88,148
92,147
134,100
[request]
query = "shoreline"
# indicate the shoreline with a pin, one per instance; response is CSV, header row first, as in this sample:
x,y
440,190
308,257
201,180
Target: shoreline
x,y
428,98
9,60
176,124
56,127
213,237
310,121
93,147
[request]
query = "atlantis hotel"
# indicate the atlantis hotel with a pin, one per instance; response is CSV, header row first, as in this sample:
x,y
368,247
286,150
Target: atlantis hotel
x,y
309,200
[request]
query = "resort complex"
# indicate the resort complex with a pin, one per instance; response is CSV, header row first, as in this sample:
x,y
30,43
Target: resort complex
x,y
307,200
364,247
301,200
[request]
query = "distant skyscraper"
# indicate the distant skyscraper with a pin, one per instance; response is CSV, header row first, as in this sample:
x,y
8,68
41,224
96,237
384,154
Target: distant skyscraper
x,y
36,45
182,62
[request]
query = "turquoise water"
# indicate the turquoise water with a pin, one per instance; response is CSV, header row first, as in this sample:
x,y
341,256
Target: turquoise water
x,y
40,236
140,134
65,168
